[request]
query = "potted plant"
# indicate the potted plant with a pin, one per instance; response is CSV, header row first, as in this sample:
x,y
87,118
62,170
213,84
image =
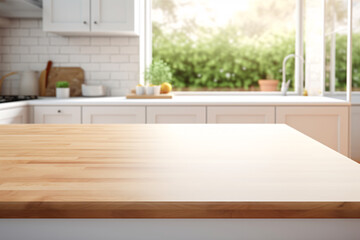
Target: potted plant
x,y
62,89
269,84
155,75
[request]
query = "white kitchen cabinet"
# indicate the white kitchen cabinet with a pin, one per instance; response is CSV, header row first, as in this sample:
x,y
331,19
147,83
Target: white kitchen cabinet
x,y
57,115
113,115
328,125
121,17
176,114
355,133
241,115
16,115
115,16
66,16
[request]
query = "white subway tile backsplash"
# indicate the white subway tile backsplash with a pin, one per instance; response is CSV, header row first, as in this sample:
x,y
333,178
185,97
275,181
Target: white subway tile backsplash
x,y
129,50
10,41
37,32
19,50
90,67
44,41
109,50
119,76
4,49
119,41
111,67
119,59
134,41
59,41
131,67
69,50
53,50
100,58
79,41
100,41
11,58
100,76
26,23
19,32
111,61
90,50
134,58
29,58
79,58
30,41
40,50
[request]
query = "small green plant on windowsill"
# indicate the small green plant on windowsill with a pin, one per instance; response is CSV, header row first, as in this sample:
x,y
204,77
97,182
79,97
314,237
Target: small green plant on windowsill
x,y
157,73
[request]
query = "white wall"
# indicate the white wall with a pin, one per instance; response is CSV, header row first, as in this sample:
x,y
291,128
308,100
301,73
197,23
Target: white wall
x,y
111,61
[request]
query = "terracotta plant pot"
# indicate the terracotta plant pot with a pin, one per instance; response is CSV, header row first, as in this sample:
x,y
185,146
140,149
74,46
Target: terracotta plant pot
x,y
268,85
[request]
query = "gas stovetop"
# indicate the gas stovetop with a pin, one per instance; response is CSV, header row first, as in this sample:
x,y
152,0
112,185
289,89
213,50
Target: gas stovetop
x,y
10,98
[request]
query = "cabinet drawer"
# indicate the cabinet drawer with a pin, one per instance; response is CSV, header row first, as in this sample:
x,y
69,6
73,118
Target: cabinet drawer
x,y
176,114
57,115
113,115
241,114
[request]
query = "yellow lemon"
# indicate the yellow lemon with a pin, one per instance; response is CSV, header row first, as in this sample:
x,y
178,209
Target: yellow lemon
x,y
139,85
305,92
166,87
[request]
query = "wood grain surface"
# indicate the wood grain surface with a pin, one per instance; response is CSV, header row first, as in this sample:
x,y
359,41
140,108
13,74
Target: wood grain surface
x,y
172,171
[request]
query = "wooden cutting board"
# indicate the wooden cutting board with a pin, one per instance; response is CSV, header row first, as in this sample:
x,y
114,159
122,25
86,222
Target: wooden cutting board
x,y
73,75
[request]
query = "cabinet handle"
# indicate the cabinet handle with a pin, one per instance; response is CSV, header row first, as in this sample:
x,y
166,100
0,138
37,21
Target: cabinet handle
x,y
59,111
85,22
95,22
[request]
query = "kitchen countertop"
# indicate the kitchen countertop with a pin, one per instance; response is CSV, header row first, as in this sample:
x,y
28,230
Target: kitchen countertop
x,y
189,100
172,171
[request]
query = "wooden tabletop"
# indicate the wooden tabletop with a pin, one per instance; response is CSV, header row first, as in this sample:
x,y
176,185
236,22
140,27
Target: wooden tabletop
x,y
172,171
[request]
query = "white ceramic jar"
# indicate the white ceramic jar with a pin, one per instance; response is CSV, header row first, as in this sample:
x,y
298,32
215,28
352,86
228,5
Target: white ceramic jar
x,y
149,90
140,90
157,90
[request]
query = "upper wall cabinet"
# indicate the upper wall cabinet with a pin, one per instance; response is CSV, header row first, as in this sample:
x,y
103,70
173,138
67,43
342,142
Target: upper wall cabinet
x,y
91,17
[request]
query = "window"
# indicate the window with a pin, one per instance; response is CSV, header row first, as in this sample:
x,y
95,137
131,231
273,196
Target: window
x,y
336,39
336,45
225,45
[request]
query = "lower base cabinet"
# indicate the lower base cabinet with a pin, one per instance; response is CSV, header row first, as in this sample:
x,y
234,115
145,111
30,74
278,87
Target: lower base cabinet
x,y
176,115
328,125
355,133
241,115
113,115
57,115
17,115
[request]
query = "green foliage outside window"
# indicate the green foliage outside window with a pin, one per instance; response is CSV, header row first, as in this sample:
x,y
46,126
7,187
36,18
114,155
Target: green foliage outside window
x,y
223,61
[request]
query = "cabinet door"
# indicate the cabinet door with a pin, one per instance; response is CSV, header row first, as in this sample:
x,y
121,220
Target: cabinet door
x,y
115,16
176,114
66,15
113,115
17,115
57,115
328,125
241,115
355,133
